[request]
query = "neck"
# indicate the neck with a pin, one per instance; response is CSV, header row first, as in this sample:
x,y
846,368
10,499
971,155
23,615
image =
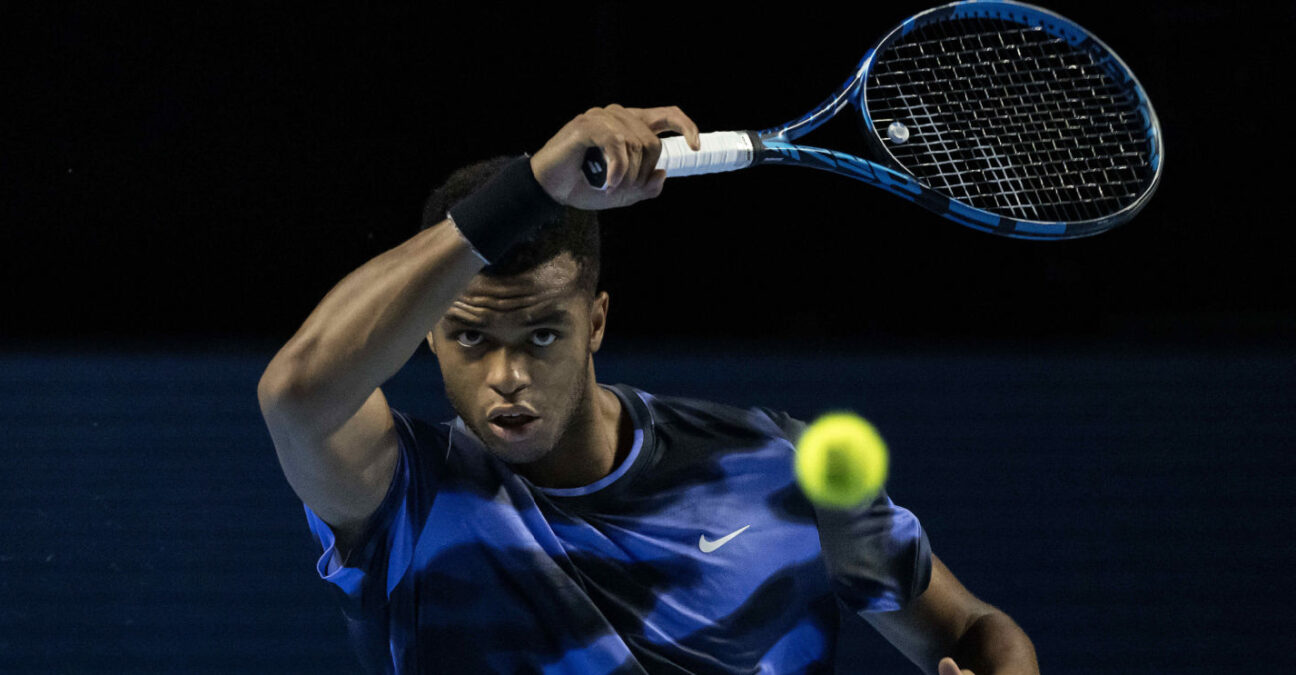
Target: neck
x,y
596,441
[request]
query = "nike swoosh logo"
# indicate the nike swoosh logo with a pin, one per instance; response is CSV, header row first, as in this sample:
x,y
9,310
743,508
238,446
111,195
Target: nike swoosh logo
x,y
709,546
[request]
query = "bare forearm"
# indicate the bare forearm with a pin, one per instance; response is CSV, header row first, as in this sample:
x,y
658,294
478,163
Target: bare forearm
x,y
371,322
995,645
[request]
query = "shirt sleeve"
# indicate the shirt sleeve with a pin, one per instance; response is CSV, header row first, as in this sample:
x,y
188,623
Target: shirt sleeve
x,y
877,554
383,552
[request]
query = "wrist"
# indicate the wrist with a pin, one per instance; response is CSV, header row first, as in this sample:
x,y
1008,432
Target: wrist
x,y
539,167
504,210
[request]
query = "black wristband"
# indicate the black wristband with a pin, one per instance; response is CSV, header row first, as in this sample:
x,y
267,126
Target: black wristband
x,y
504,210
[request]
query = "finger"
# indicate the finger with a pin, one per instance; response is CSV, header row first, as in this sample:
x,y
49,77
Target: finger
x,y
656,183
671,118
627,142
607,136
641,144
947,667
634,158
650,145
614,147
652,153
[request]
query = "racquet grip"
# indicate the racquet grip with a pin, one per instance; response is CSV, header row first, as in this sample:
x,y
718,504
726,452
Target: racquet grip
x,y
721,151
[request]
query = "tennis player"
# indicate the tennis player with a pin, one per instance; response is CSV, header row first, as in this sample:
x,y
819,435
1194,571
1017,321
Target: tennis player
x,y
561,525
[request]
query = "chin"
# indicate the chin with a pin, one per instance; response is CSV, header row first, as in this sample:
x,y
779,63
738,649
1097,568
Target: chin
x,y
513,454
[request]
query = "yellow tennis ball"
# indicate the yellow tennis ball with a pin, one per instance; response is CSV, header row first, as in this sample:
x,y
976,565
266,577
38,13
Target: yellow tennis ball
x,y
841,460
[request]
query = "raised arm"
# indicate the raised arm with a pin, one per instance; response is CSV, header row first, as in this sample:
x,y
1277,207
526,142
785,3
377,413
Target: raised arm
x,y
320,395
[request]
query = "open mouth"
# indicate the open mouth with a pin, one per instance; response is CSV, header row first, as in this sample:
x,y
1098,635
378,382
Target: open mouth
x,y
513,427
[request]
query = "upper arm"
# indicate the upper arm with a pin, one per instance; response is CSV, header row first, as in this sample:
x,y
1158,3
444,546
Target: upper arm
x,y
341,473
929,627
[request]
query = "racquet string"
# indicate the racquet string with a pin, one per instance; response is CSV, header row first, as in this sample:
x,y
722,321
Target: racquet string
x,y
1009,119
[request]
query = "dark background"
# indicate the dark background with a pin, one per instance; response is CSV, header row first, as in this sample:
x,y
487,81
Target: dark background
x,y
1096,433
183,171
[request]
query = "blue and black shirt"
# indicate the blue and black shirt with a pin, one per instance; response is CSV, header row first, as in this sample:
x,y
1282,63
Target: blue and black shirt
x,y
698,554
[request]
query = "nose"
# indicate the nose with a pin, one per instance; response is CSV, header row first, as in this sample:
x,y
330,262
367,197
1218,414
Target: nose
x,y
507,373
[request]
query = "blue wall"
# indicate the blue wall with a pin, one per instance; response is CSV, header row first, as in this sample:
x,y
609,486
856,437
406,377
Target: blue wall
x,y
1131,508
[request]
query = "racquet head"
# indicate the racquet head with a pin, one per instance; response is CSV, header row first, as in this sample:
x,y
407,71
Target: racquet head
x,y
1015,111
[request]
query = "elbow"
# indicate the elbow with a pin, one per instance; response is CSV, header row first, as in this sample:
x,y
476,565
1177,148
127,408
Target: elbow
x,y
296,400
285,401
996,643
275,393
282,387
272,389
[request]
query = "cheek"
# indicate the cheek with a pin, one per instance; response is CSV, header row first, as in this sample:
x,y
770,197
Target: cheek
x,y
568,364
460,379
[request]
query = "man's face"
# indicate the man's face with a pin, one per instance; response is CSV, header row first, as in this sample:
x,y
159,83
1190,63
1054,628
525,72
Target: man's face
x,y
515,354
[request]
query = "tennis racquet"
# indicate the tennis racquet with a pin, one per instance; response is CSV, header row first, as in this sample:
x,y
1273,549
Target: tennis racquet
x,y
1000,116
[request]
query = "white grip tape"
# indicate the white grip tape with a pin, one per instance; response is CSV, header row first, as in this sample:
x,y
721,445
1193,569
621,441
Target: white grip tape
x,y
721,151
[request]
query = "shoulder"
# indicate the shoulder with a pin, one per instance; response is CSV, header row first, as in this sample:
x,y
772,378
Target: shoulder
x,y
686,413
690,441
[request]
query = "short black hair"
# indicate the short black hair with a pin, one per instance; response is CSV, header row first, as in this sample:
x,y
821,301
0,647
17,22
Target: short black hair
x,y
575,231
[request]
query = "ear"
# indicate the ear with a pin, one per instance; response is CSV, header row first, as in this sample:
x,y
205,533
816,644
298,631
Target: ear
x,y
598,320
431,340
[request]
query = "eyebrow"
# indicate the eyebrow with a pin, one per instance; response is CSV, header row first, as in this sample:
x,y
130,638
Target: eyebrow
x,y
556,316
463,321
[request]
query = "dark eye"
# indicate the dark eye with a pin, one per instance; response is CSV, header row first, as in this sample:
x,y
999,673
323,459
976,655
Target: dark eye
x,y
543,338
469,338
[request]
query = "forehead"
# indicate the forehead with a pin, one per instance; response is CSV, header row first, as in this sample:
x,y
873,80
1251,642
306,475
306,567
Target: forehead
x,y
521,297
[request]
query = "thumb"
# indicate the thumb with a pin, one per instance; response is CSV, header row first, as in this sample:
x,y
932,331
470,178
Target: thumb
x,y
948,667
